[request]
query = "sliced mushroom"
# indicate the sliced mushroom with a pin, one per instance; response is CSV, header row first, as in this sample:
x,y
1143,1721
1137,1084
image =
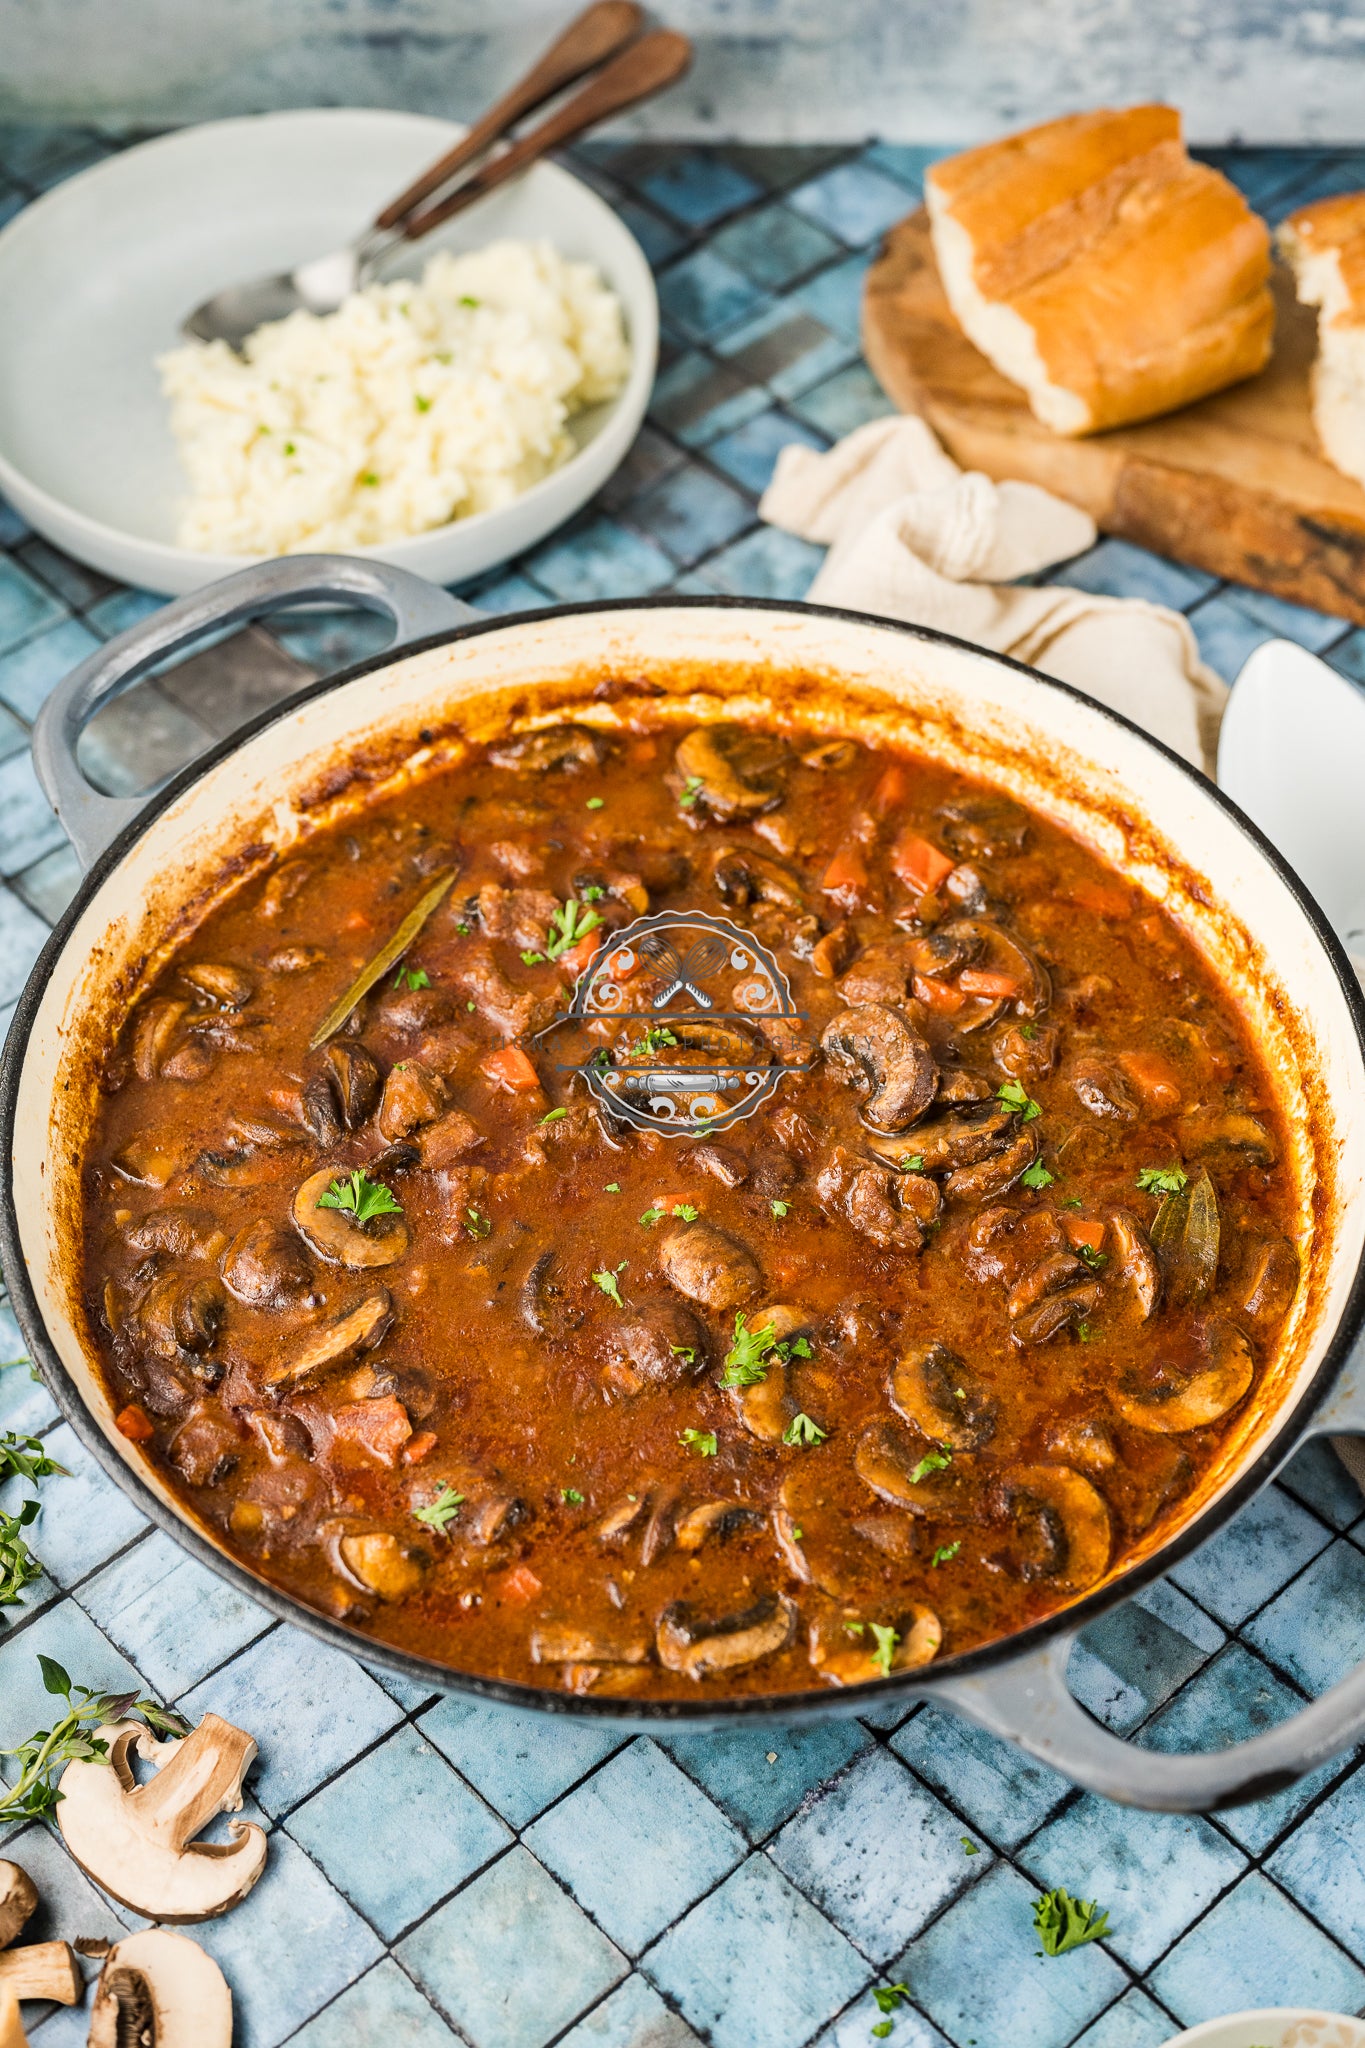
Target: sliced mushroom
x,y
149,1158
267,1267
153,1034
18,1898
830,955
961,1138
334,1233
723,1162
626,1515
296,959
379,1562
360,1329
830,754
160,1990
42,1969
562,749
1088,1444
1134,1262
877,1048
931,1387
1049,1276
660,1342
355,1082
412,1097
991,1177
984,828
730,772
843,1648
230,987
814,1533
179,1314
1066,1310
1232,1131
714,1519
1270,1280
908,1472
1185,1237
138,1841
1064,1526
998,949
573,1642
545,1308
698,1645
317,1110
709,1266
1098,1088
660,1522
1192,1400
742,875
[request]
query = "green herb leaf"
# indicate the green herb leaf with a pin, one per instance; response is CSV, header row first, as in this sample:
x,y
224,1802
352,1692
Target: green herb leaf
x,y
932,1461
420,404
607,1282
654,1039
685,1352
571,1495
44,1756
651,1217
703,1441
911,1162
969,1847
595,803
685,1213
465,300
1016,1097
1085,1331
691,790
552,1116
388,955
476,1223
1162,1180
23,1457
945,1553
568,926
881,2028
1094,1258
801,1430
853,1628
532,959
361,1197
1028,1031
779,1209
890,1996
1037,1176
745,1362
1065,1923
886,1639
440,1511
412,978
613,1187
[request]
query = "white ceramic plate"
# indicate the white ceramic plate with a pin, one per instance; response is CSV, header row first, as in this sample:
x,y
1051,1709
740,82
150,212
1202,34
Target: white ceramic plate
x,y
1279,2026
96,277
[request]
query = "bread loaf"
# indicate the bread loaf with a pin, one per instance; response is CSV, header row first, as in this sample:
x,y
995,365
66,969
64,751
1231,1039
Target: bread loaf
x,y
1325,245
1100,269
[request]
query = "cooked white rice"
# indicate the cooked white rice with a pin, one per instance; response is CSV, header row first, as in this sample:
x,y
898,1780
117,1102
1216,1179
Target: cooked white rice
x,y
411,405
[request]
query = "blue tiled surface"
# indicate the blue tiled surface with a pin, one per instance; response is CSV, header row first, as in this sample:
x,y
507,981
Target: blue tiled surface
x,y
443,1872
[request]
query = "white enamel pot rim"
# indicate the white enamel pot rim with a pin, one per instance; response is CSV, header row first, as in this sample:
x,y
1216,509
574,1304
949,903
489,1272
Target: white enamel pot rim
x,y
1014,1687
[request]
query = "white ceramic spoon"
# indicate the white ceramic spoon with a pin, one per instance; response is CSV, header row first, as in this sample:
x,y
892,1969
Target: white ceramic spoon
x,y
1292,754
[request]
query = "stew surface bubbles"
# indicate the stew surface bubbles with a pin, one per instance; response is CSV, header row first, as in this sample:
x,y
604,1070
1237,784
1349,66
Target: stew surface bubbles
x,y
912,1355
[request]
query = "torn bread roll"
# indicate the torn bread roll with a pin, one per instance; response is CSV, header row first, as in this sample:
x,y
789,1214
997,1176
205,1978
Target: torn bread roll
x,y
1324,244
1100,269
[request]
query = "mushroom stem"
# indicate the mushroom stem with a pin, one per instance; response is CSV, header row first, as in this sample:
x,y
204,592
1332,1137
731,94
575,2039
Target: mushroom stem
x,y
45,1969
12,2033
202,1777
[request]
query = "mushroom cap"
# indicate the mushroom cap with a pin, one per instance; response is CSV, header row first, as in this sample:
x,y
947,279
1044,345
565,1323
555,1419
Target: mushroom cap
x,y
18,1897
188,1994
125,1837
334,1233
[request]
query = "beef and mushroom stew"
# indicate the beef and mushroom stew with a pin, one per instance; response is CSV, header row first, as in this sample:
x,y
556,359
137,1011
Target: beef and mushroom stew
x,y
911,1355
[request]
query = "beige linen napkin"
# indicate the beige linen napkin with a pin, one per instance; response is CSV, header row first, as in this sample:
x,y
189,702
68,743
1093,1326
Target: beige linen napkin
x,y
910,536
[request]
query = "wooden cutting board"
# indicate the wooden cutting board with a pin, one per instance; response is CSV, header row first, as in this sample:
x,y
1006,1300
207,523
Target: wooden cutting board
x,y
1235,484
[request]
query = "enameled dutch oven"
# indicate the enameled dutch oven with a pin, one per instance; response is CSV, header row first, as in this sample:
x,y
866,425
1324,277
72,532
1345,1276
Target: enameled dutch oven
x,y
451,672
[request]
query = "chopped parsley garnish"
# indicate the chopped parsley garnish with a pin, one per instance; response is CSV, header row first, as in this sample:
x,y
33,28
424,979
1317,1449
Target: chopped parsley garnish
x,y
437,1513
779,1209
369,479
801,1430
653,1216
685,1213
691,790
1065,1923
571,1495
1162,1180
1085,1331
1028,1031
412,978
853,1628
568,926
969,1847
420,404
911,1162
653,1040
890,1996
361,1197
532,959
1094,1257
1016,1097
290,449
685,1352
608,1284
745,1362
945,1553
613,1187
703,1441
886,1639
476,1223
552,1116
465,300
595,803
1037,1176
932,1461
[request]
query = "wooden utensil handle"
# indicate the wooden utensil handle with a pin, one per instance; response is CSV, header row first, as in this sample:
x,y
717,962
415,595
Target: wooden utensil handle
x,y
597,33
656,61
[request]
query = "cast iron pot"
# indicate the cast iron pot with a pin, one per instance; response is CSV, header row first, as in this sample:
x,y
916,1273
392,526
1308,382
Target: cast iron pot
x,y
1043,743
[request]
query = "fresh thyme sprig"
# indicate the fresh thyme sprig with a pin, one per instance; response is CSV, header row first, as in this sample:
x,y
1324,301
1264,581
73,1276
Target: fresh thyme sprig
x,y
70,1739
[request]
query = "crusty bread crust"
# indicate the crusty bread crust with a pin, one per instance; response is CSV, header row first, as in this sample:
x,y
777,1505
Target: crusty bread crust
x,y
1325,245
1102,270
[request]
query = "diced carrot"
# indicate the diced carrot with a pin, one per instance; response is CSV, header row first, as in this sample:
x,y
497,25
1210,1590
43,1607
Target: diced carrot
x,y
1099,900
521,1583
416,1449
1154,1078
358,921
378,1426
668,1203
1083,1230
891,791
134,1423
919,863
981,981
572,963
846,875
937,995
509,1067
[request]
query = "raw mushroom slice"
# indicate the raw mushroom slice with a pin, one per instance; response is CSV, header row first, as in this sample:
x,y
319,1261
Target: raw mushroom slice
x,y
18,1898
698,1645
360,1329
1196,1399
709,1266
42,1969
931,1387
160,1990
874,1046
1064,1525
138,1841
843,1649
729,772
888,1460
334,1233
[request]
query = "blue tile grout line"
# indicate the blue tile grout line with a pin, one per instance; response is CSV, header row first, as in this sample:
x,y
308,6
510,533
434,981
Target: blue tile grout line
x,y
672,1888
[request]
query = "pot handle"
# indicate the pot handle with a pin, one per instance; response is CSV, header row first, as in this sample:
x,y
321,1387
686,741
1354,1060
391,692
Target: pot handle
x,y
91,819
